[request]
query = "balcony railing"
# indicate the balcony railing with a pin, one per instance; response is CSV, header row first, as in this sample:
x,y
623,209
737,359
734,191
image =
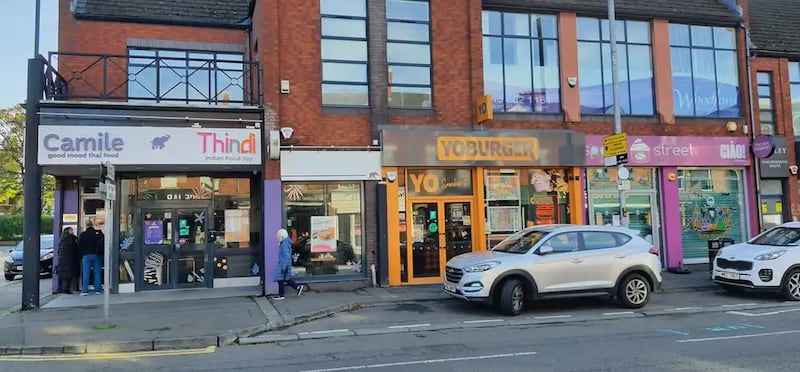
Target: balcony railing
x,y
153,79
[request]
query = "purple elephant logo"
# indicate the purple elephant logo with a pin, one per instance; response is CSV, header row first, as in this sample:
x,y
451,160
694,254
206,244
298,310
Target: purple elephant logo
x,y
159,142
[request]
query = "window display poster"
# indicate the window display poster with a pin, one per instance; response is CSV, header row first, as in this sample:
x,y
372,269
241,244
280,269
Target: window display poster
x,y
504,219
237,225
323,234
153,232
502,187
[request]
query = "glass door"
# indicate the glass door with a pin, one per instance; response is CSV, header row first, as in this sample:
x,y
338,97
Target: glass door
x,y
190,249
174,249
157,248
439,231
642,212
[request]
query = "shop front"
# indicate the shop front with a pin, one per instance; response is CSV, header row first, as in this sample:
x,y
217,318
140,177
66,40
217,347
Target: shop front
x,y
683,192
188,200
774,172
451,192
329,209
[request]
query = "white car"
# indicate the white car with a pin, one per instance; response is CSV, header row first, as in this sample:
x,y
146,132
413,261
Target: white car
x,y
557,260
770,261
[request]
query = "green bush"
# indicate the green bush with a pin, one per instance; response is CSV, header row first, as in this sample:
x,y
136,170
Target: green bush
x,y
11,226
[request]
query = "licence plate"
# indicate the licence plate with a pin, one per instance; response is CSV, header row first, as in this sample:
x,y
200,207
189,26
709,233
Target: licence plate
x,y
17,267
727,275
449,287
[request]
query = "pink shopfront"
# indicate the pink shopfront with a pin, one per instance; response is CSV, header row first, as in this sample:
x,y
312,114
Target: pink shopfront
x,y
683,192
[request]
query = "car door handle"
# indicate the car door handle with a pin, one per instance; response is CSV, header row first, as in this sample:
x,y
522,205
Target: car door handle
x,y
576,261
620,256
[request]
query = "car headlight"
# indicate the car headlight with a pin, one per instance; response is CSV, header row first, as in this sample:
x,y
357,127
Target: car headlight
x,y
481,267
47,256
770,255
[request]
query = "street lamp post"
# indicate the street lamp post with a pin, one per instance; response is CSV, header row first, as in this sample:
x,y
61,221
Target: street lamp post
x,y
612,36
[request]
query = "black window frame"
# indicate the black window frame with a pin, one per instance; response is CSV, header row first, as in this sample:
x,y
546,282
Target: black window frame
x,y
530,38
429,65
365,63
623,42
769,97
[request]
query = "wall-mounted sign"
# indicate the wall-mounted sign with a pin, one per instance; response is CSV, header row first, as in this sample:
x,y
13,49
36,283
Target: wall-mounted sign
x,y
676,151
777,164
483,107
763,147
410,146
439,182
467,149
121,145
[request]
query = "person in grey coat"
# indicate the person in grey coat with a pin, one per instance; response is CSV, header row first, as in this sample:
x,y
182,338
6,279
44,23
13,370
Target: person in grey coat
x,y
283,273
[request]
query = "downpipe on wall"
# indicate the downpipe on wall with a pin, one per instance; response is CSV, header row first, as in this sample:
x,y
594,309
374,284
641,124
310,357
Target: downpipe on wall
x,y
752,128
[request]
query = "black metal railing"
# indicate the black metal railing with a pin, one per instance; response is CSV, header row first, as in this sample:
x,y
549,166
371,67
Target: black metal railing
x,y
153,79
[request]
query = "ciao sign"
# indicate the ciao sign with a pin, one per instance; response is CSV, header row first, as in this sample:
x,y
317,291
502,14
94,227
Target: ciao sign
x,y
439,182
464,148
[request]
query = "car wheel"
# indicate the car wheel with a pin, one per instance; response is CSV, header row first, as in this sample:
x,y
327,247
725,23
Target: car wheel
x,y
9,277
791,286
512,297
732,289
634,291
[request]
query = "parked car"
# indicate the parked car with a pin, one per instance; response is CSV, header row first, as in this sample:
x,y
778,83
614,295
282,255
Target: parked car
x,y
768,262
557,260
13,263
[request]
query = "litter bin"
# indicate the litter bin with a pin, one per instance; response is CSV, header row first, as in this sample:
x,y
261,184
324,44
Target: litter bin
x,y
714,245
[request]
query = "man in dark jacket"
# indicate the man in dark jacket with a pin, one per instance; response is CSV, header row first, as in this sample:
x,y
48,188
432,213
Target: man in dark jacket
x,y
67,257
90,246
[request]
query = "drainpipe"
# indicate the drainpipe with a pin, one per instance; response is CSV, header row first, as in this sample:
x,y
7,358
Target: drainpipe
x,y
752,124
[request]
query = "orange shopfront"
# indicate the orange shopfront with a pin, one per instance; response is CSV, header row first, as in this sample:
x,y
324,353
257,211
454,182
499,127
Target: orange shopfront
x,y
451,192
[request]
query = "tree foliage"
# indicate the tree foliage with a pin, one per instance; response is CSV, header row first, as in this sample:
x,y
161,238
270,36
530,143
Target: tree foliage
x,y
12,167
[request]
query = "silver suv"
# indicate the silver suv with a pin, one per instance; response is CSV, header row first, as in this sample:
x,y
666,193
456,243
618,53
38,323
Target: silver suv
x,y
557,260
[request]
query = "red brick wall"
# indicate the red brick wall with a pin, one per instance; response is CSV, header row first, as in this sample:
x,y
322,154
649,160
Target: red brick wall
x,y
782,99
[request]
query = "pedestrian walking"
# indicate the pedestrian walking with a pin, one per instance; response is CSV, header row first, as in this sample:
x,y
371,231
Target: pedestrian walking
x,y
67,258
283,273
90,246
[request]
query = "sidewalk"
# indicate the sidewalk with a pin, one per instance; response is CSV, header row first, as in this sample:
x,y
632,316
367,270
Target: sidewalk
x,y
180,319
144,321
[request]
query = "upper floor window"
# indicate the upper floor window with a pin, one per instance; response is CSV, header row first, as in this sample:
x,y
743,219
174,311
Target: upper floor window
x,y
520,62
634,66
766,106
408,48
705,77
794,84
344,52
173,76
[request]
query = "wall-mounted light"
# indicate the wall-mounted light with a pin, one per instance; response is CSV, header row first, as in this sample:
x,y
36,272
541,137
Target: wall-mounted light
x,y
731,126
672,176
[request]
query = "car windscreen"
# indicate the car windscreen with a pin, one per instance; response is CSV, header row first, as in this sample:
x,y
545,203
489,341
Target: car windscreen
x,y
779,237
520,243
45,242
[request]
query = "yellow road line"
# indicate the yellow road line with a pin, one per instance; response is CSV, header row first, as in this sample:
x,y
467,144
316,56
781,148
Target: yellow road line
x,y
105,356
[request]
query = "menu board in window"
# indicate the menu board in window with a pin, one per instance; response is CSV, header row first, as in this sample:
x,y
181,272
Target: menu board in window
x,y
502,187
504,219
237,225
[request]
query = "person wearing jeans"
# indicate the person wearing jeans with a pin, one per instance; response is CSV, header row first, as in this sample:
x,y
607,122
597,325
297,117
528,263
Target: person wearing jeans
x,y
90,245
283,273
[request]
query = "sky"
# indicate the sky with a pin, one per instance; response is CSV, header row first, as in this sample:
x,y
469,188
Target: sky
x,y
17,23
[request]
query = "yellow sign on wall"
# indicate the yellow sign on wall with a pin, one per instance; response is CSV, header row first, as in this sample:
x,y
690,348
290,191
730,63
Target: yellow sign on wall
x,y
484,109
451,148
615,145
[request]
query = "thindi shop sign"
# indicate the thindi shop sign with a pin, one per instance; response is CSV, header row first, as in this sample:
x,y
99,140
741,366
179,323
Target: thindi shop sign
x,y
469,149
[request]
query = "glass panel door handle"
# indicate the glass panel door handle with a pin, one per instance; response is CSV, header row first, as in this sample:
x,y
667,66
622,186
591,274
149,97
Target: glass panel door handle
x,y
177,247
576,261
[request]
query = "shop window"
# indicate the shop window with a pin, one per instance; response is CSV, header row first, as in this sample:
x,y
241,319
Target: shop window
x,y
711,206
344,52
705,77
520,62
635,67
325,223
235,230
127,236
518,198
772,200
408,49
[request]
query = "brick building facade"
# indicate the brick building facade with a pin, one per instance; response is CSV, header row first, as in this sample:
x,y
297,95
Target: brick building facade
x,y
357,101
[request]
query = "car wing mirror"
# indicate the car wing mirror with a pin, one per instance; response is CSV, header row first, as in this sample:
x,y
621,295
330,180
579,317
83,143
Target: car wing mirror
x,y
544,250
